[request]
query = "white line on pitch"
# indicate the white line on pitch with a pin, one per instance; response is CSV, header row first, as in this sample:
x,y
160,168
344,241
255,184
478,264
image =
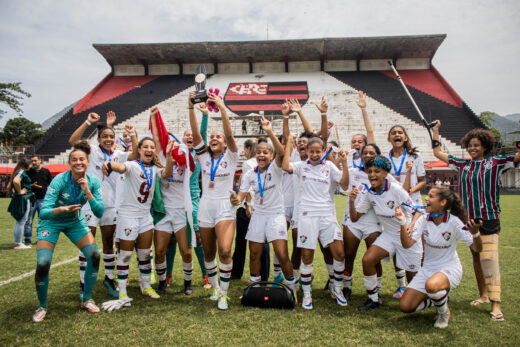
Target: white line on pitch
x,y
30,273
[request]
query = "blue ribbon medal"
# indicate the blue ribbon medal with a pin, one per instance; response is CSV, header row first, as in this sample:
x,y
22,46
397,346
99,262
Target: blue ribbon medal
x,y
76,213
213,171
397,174
260,185
149,177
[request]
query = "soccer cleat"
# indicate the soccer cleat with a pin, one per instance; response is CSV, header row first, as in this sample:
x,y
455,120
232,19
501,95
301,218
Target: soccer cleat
x,y
188,289
39,315
90,306
223,302
169,279
442,320
307,301
347,293
21,246
399,293
112,290
205,280
151,293
370,305
338,294
161,288
215,295
278,279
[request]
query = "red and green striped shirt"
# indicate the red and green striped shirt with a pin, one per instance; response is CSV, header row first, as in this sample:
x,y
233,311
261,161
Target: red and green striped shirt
x,y
479,185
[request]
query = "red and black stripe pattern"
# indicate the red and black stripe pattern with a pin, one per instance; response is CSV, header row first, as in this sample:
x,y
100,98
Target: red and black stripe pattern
x,y
252,97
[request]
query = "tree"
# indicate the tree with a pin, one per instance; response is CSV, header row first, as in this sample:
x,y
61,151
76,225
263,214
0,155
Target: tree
x,y
488,118
11,94
20,131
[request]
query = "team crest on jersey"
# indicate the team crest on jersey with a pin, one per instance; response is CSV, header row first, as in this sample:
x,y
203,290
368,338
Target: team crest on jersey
x,y
45,233
65,195
88,217
446,235
223,164
128,231
303,238
488,165
390,204
98,167
325,172
268,177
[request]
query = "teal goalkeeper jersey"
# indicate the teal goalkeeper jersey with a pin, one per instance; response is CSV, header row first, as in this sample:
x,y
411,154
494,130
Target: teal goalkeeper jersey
x,y
194,179
60,193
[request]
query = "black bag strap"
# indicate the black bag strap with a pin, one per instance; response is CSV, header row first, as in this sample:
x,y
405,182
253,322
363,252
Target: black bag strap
x,y
289,290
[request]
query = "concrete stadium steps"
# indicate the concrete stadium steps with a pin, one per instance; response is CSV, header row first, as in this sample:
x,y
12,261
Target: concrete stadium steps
x,y
340,97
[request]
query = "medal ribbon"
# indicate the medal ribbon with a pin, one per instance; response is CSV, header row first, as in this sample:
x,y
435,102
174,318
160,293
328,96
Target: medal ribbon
x,y
73,189
149,178
398,172
105,155
361,166
214,167
371,191
260,185
326,155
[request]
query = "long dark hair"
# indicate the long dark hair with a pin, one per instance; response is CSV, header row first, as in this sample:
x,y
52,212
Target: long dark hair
x,y
251,145
21,165
407,144
453,203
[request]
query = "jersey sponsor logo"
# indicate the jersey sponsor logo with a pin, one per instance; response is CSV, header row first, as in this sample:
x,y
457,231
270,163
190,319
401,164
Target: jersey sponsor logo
x,y
252,97
446,235
65,195
390,204
45,233
303,238
425,232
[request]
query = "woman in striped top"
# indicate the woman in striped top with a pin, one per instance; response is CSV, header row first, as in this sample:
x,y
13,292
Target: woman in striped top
x,y
479,191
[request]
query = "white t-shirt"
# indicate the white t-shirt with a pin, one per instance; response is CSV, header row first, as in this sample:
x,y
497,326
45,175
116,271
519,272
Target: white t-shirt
x,y
440,241
417,171
224,175
351,161
357,179
384,206
288,182
97,157
247,166
172,189
438,183
272,199
315,182
137,195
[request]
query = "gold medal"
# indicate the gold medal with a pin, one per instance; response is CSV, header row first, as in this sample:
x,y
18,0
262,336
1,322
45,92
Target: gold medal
x,y
211,184
261,200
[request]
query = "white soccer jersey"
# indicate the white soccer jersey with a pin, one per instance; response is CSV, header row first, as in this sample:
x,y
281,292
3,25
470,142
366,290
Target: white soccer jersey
x,y
172,188
384,206
417,171
288,182
108,184
272,199
247,166
315,182
440,241
137,196
357,179
224,175
354,163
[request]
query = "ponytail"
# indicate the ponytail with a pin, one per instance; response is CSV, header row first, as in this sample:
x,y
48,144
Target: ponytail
x,y
453,203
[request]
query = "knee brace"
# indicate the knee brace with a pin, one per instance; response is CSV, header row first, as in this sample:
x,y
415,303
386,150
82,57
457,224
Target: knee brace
x,y
490,266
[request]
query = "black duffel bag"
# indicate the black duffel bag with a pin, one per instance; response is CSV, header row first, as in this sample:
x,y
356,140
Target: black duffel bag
x,y
265,294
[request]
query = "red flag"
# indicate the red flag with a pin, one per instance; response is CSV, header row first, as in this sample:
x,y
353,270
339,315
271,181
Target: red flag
x,y
161,129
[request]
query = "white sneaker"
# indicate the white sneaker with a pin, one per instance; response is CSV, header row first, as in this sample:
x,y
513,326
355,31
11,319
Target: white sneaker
x,y
442,320
215,295
21,246
39,315
90,306
338,295
307,301
223,302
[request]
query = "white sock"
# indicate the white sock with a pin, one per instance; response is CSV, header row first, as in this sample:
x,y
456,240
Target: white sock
x,y
225,276
145,266
211,268
160,269
255,279
400,276
82,266
276,266
188,270
109,259
371,287
379,281
296,273
339,267
123,262
424,304
306,277
440,300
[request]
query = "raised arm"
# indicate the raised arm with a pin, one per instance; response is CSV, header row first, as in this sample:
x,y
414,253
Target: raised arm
x,y
197,138
155,132
408,179
285,121
226,124
168,169
323,108
437,151
286,163
354,214
202,107
111,118
406,240
343,183
76,135
296,107
362,103
280,152
133,137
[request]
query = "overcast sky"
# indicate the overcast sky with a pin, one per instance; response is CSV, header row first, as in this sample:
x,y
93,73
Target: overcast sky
x,y
47,45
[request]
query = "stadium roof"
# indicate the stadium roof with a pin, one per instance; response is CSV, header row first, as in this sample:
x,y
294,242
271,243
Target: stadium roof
x,y
347,48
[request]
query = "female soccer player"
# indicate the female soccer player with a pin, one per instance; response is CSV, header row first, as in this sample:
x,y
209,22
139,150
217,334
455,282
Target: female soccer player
x,y
402,151
99,154
268,219
20,187
383,196
441,270
316,217
366,228
216,215
136,225
480,193
66,194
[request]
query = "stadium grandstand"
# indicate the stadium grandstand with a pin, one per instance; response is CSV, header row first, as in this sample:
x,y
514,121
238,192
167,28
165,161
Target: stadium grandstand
x,y
255,77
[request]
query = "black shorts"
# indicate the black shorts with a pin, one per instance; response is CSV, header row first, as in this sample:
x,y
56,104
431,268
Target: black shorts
x,y
490,227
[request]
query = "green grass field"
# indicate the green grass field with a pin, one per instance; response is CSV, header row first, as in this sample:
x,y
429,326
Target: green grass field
x,y
176,319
